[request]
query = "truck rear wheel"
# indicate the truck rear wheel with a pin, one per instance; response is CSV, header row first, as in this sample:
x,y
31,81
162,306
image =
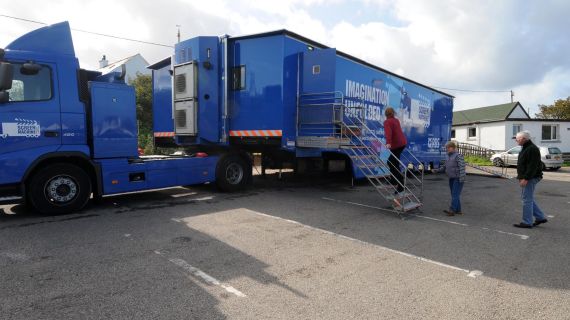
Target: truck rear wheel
x,y
59,189
233,173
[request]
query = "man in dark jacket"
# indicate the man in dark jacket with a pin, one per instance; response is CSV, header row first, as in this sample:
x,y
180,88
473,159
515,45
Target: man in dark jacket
x,y
529,173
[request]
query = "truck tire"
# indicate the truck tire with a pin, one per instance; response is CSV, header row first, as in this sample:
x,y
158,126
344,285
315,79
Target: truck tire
x,y
233,173
59,189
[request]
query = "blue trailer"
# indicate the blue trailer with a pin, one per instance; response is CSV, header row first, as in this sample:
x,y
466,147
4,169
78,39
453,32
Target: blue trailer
x,y
299,102
69,133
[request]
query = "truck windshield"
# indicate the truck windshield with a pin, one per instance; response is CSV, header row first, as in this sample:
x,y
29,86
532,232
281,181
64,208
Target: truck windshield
x,y
554,151
34,87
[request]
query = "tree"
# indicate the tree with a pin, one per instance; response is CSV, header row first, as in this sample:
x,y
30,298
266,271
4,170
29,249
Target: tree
x,y
559,110
143,91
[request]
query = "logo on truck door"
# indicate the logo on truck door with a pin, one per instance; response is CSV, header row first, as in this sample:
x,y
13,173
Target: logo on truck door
x,y
21,128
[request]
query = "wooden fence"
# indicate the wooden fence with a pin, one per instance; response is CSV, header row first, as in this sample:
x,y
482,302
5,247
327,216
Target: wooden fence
x,y
468,149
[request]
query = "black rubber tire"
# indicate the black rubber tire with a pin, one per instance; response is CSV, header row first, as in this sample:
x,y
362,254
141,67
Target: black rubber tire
x,y
224,182
555,168
543,167
498,162
37,189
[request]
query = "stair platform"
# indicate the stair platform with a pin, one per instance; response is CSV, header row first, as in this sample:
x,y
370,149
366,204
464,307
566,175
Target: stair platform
x,y
408,206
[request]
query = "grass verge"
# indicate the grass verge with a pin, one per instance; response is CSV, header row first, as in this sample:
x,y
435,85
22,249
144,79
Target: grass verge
x,y
478,161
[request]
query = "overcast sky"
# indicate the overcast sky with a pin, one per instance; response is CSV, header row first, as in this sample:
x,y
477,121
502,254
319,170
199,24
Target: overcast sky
x,y
522,45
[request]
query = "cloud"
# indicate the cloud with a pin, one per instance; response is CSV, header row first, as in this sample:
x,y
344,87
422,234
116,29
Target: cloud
x,y
497,45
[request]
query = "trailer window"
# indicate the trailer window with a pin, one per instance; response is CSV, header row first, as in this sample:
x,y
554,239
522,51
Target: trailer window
x,y
238,75
35,87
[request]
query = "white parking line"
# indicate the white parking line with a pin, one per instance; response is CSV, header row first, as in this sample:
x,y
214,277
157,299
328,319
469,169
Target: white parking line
x,y
202,275
470,273
521,236
178,195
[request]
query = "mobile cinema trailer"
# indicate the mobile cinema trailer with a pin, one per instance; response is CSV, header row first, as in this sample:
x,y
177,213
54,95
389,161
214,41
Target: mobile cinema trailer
x,y
293,100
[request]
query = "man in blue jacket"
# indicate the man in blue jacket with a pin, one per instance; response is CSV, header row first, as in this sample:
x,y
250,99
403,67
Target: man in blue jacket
x,y
529,173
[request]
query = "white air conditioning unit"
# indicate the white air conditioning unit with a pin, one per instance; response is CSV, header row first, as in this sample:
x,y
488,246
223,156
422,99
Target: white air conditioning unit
x,y
185,115
185,88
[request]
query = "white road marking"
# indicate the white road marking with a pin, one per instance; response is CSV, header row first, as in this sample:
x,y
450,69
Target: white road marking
x,y
127,235
15,256
551,216
470,273
204,276
521,236
178,195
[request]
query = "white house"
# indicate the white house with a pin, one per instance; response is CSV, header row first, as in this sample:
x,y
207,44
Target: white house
x,y
134,64
494,127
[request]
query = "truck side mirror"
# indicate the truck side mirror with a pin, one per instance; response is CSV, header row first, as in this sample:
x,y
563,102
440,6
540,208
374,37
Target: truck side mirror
x,y
6,75
30,69
4,96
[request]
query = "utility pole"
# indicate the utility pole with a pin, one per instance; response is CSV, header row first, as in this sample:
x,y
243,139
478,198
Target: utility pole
x,y
178,34
512,96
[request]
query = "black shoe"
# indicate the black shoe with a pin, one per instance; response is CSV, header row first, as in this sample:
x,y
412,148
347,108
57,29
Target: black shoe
x,y
537,222
522,225
449,213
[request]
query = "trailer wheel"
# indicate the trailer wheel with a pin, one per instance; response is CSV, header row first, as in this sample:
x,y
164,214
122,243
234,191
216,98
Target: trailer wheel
x,y
59,189
233,173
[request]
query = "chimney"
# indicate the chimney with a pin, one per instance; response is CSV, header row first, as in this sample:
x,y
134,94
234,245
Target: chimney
x,y
103,62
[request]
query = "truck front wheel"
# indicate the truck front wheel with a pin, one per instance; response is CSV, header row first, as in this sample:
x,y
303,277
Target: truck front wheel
x,y
233,173
59,189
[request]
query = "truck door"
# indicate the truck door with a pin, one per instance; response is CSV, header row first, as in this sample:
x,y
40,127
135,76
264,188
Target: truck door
x,y
30,119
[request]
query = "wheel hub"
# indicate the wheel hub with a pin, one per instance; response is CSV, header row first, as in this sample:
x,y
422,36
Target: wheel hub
x,y
61,189
234,173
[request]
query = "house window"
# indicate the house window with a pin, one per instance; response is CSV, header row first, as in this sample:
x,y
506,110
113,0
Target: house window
x,y
550,132
238,75
517,128
452,133
471,132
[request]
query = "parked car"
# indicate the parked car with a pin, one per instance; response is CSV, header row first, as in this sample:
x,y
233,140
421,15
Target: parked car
x,y
551,157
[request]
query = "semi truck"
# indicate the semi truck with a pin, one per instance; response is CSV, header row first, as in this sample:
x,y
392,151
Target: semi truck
x,y
69,134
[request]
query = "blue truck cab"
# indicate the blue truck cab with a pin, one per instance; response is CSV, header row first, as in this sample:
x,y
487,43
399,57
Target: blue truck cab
x,y
67,134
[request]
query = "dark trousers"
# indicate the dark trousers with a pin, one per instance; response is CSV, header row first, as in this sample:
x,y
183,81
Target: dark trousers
x,y
394,165
455,186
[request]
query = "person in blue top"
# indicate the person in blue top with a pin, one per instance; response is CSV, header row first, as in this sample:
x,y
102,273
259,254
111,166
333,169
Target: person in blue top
x,y
454,167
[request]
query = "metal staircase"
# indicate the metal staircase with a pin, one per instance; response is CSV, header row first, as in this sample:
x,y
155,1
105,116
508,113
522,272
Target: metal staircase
x,y
325,121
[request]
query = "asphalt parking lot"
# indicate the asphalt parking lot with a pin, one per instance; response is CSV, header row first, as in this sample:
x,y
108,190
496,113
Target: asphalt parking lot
x,y
307,247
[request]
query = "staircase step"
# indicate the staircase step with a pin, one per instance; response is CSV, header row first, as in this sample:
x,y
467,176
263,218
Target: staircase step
x,y
352,146
398,196
408,206
366,156
385,187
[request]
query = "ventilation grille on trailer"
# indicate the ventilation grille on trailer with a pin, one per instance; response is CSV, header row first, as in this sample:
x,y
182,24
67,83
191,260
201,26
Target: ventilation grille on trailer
x,y
181,83
181,118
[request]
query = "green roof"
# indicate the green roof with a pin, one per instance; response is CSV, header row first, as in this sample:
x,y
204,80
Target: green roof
x,y
485,114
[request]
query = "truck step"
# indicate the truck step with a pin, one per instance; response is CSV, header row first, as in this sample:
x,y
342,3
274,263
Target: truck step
x,y
408,206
